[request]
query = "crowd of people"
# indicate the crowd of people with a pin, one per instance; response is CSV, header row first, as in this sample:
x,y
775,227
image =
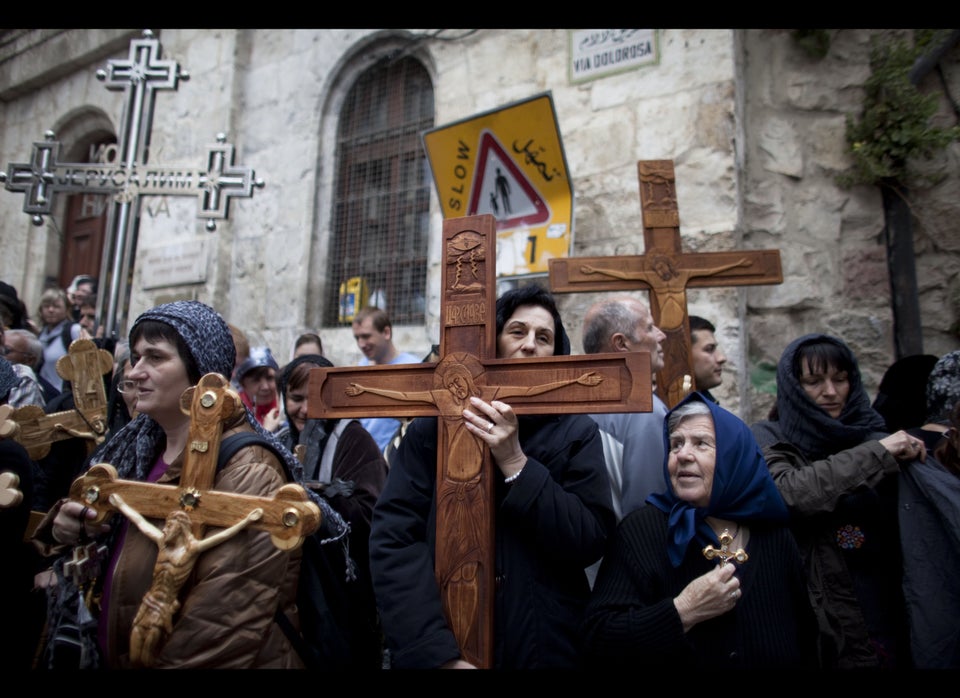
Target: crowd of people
x,y
825,536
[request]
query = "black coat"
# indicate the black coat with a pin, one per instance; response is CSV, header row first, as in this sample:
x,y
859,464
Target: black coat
x,y
551,523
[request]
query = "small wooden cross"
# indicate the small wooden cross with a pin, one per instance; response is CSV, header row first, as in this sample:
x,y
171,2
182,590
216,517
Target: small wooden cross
x,y
288,516
666,271
468,366
84,366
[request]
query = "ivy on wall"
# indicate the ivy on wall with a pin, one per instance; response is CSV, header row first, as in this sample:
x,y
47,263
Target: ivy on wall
x,y
895,126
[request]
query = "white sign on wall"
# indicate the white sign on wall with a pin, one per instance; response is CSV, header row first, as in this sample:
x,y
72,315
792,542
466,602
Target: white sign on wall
x,y
596,53
175,264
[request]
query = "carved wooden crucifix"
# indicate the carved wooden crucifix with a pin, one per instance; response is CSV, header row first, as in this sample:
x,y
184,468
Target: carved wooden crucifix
x,y
189,507
667,272
468,366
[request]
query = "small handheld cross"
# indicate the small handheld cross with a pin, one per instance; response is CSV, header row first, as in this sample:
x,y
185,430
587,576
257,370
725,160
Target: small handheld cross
x,y
84,366
724,553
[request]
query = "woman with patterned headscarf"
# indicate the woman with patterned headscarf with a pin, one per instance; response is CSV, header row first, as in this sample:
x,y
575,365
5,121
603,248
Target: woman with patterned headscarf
x,y
707,576
835,466
227,606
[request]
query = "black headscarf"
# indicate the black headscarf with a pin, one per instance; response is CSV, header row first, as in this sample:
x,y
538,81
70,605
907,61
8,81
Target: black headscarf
x,y
807,426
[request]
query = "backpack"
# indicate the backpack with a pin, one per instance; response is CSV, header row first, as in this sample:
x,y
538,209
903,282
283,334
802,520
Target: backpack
x,y
322,590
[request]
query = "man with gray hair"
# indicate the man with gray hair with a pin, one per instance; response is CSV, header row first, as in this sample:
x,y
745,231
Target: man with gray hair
x,y
624,323
23,350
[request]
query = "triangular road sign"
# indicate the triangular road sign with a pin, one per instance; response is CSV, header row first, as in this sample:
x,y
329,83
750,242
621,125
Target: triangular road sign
x,y
502,190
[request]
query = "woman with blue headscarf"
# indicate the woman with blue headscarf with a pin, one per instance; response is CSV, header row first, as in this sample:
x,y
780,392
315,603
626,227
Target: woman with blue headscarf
x,y
707,576
224,614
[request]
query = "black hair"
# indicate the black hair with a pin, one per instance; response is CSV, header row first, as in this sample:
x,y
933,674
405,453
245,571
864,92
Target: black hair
x,y
533,294
819,355
698,323
154,330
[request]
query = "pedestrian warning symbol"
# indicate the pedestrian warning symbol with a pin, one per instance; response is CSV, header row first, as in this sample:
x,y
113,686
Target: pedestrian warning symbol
x,y
508,163
501,189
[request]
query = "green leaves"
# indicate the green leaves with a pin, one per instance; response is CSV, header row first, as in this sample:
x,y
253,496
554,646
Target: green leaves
x,y
895,126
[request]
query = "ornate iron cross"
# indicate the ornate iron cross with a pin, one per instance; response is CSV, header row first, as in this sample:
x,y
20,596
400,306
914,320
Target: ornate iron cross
x,y
129,178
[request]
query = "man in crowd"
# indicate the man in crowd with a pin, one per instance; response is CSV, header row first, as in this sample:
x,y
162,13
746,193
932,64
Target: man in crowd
x,y
374,334
708,358
624,323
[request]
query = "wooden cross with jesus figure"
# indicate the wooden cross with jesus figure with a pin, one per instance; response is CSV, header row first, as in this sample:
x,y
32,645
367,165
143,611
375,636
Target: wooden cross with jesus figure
x,y
83,366
468,366
667,272
187,508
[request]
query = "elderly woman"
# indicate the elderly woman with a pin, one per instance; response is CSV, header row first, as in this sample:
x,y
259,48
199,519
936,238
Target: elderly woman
x,y
707,576
228,604
836,467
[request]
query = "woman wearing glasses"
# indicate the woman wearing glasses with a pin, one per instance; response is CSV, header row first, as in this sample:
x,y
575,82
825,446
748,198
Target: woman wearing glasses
x,y
122,400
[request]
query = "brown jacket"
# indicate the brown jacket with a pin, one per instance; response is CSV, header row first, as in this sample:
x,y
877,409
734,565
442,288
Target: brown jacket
x,y
228,603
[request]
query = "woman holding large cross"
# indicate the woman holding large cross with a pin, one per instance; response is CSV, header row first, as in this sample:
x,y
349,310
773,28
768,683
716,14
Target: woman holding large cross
x,y
229,601
553,516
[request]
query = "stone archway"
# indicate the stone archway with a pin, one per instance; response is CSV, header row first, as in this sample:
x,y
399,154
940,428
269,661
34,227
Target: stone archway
x,y
86,135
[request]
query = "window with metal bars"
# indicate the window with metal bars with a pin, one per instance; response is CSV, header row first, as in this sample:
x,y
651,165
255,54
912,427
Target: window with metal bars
x,y
382,192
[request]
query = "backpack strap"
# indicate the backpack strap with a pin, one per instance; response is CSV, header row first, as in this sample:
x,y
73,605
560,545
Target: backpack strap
x,y
233,443
66,335
228,448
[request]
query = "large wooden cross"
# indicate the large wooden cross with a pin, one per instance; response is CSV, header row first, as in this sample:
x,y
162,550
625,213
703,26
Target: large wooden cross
x,y
667,272
129,178
288,516
464,556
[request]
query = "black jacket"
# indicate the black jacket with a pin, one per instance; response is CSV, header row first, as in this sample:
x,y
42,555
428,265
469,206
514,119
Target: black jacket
x,y
551,523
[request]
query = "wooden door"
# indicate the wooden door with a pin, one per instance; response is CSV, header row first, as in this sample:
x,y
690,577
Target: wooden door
x,y
83,236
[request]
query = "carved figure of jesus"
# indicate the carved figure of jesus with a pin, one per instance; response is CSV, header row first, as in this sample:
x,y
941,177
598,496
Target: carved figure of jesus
x,y
671,289
455,382
177,553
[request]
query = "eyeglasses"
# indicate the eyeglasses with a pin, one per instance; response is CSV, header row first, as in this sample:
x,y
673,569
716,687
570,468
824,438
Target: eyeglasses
x,y
127,387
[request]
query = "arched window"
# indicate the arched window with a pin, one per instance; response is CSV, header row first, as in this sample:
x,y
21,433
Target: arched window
x,y
381,195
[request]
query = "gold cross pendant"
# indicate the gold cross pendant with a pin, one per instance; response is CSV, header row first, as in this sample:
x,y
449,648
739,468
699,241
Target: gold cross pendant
x,y
725,554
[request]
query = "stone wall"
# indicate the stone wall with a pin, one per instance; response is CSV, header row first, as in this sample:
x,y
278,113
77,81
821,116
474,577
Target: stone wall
x,y
754,127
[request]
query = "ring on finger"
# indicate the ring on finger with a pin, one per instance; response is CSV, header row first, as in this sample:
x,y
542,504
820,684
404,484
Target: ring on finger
x,y
490,427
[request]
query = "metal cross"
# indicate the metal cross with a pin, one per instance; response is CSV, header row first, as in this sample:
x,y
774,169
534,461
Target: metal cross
x,y
130,178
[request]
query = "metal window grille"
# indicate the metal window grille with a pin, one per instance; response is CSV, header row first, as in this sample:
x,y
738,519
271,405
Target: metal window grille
x,y
382,193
